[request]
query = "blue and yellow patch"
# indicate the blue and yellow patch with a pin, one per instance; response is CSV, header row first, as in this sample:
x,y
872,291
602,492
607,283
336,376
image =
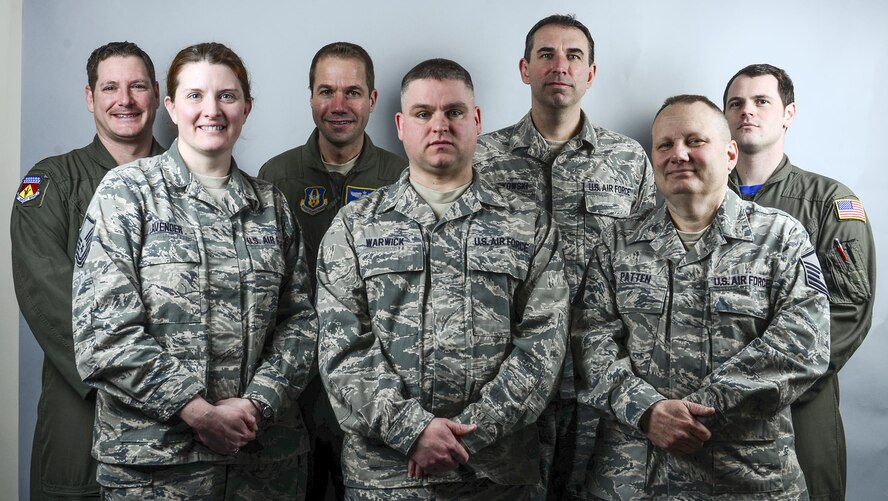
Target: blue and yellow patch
x,y
315,200
29,189
353,193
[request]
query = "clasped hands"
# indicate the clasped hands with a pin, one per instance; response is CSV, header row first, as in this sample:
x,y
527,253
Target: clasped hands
x,y
439,448
225,426
672,425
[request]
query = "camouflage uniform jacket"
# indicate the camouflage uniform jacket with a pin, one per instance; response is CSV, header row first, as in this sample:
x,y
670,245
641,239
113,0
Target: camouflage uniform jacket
x,y
598,176
739,323
176,295
462,318
300,173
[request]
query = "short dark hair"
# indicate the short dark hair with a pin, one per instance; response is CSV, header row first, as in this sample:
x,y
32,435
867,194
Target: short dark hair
x,y
118,49
784,83
213,53
567,21
437,69
688,99
344,50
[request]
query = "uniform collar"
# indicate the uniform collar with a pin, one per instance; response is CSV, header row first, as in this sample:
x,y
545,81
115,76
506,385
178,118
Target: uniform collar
x,y
527,136
366,158
731,222
241,191
102,157
780,173
405,200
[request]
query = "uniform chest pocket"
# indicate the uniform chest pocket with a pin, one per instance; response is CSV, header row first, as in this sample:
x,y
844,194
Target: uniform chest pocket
x,y
392,280
608,200
170,277
494,274
739,315
641,306
264,279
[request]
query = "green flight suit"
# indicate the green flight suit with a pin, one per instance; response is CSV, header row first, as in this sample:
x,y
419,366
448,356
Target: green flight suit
x,y
812,199
315,195
46,220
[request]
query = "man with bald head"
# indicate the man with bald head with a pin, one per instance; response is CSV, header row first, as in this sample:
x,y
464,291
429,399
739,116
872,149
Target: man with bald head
x,y
697,325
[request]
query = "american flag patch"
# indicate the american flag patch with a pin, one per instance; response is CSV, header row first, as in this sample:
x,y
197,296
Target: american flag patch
x,y
813,275
849,208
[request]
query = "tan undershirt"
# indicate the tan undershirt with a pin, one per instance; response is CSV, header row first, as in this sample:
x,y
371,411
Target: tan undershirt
x,y
342,168
217,186
439,201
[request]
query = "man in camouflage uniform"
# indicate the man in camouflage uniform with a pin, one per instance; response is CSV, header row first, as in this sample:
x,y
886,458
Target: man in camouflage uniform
x,y
337,165
586,176
443,307
760,106
192,318
122,94
697,326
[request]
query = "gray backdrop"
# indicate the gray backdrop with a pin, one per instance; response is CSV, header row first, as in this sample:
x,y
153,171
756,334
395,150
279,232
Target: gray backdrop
x,y
646,50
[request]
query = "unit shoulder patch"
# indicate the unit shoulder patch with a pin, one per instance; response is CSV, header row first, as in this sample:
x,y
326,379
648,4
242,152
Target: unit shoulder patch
x,y
850,209
30,189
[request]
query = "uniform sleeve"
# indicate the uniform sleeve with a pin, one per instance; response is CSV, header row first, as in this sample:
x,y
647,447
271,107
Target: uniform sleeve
x,y
646,188
605,375
773,370
851,279
289,352
113,350
367,395
42,270
527,377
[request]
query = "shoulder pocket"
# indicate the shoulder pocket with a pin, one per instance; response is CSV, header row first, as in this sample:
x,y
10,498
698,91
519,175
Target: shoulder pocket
x,y
848,280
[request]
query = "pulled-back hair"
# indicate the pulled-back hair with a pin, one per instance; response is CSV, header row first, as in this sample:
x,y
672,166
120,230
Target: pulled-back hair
x,y
213,53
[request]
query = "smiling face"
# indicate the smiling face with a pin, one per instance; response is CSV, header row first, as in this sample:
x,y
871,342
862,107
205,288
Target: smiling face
x,y
757,116
439,126
341,102
559,72
209,109
124,101
692,154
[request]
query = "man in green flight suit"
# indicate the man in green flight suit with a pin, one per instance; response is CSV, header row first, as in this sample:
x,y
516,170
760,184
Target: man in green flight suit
x,y
123,95
759,104
337,165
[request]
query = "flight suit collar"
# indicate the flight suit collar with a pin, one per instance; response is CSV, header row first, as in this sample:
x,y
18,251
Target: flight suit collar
x,y
780,173
313,159
102,157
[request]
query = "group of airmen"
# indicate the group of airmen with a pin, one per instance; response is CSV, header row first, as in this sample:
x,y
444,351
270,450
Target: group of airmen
x,y
540,312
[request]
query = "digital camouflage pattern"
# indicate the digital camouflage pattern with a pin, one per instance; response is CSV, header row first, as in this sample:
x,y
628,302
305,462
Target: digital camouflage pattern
x,y
282,480
597,177
477,490
462,318
178,296
851,278
732,324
